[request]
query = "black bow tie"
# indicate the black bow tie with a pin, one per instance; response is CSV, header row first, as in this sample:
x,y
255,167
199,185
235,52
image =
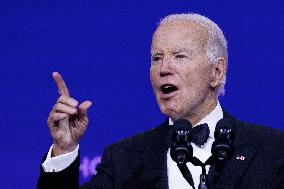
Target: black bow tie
x,y
200,134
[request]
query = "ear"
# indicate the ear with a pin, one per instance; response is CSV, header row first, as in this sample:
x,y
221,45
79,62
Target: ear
x,y
218,72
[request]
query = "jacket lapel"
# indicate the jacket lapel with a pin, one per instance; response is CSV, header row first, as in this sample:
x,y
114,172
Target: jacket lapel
x,y
152,172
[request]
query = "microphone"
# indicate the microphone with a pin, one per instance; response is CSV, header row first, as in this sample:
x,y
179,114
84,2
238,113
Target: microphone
x,y
223,147
181,150
180,141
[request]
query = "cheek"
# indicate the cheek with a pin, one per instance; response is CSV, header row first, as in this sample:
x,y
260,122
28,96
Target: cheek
x,y
153,78
198,79
193,88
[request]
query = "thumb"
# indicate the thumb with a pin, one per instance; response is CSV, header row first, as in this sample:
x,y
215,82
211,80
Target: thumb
x,y
83,108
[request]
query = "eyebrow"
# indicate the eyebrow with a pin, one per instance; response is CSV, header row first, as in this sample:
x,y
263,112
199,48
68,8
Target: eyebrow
x,y
182,50
174,52
156,53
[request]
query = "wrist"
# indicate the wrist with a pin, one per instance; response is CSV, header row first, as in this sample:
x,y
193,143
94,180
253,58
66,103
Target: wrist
x,y
58,150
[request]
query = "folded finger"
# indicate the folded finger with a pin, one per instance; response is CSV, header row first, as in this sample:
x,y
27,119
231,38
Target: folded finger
x,y
63,108
57,117
67,101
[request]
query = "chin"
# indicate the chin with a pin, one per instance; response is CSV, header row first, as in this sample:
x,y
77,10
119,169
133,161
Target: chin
x,y
171,112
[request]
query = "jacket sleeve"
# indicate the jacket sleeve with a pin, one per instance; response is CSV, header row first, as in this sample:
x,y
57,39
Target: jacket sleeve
x,y
105,177
279,176
69,177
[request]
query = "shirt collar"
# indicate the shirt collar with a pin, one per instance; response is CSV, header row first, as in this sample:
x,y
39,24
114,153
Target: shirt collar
x,y
211,119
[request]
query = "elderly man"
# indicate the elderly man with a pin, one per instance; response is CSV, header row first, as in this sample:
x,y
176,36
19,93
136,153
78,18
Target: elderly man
x,y
188,73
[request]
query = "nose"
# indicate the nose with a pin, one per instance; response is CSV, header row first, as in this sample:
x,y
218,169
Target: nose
x,y
166,68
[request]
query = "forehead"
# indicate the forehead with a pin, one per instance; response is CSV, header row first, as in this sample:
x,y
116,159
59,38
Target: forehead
x,y
178,35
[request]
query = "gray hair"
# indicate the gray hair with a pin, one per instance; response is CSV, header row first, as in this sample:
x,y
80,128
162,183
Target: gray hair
x,y
217,43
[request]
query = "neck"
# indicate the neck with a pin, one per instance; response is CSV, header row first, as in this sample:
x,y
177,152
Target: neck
x,y
202,111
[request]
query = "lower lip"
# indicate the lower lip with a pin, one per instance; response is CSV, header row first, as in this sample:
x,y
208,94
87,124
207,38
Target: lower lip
x,y
168,96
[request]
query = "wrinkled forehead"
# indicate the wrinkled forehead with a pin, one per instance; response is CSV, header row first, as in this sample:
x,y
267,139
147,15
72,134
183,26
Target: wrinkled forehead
x,y
179,34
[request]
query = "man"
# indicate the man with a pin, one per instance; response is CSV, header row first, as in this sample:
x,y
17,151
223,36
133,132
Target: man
x,y
188,73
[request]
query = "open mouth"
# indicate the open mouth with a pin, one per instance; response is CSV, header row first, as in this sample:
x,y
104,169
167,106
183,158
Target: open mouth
x,y
168,88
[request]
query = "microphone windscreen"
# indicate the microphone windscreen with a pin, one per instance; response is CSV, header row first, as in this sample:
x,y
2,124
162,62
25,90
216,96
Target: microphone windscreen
x,y
227,124
179,125
182,124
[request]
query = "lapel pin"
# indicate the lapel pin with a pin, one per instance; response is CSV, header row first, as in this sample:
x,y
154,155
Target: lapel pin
x,y
241,158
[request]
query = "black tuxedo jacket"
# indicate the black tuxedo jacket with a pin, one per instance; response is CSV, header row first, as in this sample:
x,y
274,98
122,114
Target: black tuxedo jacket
x,y
140,163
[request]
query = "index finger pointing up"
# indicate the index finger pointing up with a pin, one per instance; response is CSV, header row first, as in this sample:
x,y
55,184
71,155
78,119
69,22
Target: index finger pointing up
x,y
62,88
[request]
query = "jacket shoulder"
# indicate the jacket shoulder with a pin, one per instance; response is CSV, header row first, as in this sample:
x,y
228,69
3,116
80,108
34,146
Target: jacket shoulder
x,y
142,140
259,130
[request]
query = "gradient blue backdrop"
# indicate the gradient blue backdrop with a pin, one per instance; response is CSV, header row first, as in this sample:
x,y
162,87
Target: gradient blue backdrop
x,y
102,50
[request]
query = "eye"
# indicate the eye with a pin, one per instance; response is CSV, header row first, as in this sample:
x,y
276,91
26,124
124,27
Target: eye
x,y
180,56
156,59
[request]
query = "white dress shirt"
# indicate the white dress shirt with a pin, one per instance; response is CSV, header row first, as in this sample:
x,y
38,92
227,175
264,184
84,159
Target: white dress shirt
x,y
58,163
175,178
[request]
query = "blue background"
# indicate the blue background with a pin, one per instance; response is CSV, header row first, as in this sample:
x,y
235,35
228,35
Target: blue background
x,y
102,49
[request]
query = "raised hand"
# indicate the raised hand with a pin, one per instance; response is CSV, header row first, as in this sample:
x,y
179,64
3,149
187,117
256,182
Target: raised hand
x,y
67,121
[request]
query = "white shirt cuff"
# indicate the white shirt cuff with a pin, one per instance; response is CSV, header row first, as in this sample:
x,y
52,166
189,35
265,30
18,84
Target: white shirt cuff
x,y
58,163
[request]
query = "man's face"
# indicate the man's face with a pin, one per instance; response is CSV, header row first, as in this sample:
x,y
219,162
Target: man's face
x,y
180,72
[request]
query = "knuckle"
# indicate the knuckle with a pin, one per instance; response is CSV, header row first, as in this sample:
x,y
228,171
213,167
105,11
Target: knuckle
x,y
50,121
55,107
72,102
62,98
50,115
51,112
75,102
59,98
